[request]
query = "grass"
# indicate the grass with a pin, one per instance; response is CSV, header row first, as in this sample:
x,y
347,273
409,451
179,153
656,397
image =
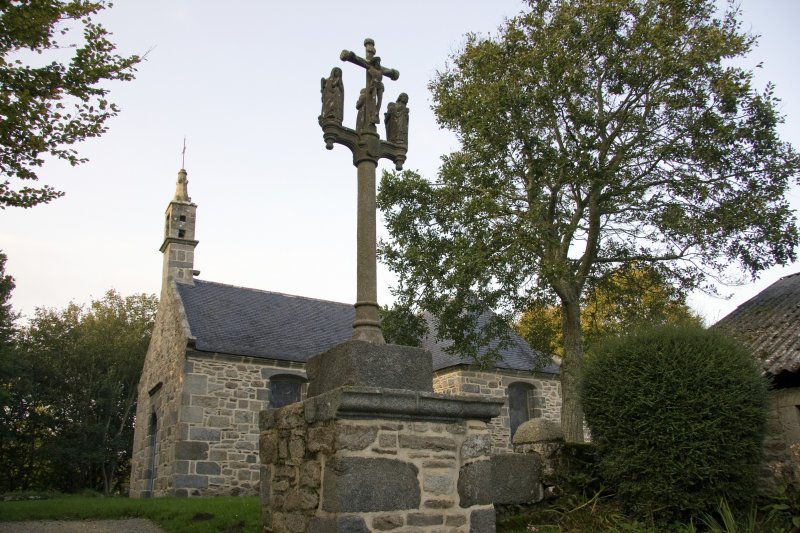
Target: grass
x,y
228,514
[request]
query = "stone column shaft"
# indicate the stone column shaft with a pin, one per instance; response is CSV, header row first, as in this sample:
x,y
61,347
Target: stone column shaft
x,y
367,325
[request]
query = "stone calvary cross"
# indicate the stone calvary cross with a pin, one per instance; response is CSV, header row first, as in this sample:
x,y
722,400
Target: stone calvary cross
x,y
367,148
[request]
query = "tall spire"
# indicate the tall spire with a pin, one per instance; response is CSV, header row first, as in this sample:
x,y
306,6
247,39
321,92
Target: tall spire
x,y
179,242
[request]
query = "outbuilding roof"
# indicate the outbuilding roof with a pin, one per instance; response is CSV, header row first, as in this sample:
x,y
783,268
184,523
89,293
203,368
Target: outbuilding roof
x,y
769,323
241,321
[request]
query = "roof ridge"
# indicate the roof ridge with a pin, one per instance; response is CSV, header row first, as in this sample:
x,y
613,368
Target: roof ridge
x,y
287,295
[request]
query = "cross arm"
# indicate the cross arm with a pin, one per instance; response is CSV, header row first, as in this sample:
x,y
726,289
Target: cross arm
x,y
351,57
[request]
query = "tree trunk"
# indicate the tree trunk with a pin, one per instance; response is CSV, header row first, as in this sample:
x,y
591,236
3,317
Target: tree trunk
x,y
571,371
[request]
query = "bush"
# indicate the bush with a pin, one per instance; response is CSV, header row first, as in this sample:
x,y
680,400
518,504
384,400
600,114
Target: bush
x,y
678,415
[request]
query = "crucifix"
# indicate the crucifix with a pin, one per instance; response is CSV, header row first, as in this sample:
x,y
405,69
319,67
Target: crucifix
x,y
367,148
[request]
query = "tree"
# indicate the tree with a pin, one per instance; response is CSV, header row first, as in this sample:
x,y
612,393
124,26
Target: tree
x,y
12,382
616,304
46,107
593,135
8,317
402,326
81,368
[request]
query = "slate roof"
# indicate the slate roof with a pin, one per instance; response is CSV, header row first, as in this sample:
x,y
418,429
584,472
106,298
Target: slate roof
x,y
770,324
237,320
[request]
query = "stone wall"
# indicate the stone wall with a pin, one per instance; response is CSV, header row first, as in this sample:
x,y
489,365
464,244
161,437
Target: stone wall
x,y
206,406
323,472
218,422
545,402
159,395
783,431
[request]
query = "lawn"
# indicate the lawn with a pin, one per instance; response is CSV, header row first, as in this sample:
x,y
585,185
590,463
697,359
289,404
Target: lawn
x,y
197,515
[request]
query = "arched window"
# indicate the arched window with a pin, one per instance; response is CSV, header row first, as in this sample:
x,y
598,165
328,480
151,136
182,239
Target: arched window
x,y
285,389
152,432
520,399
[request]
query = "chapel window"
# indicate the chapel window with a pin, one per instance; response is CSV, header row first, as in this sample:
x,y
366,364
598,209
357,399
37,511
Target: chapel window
x,y
521,396
152,439
285,389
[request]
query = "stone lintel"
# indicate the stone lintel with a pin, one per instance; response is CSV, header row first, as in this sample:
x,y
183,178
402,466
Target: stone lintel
x,y
377,403
358,363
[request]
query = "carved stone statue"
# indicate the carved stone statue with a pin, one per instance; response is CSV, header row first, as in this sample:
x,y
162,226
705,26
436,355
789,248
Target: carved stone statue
x,y
360,106
333,96
375,88
389,120
396,118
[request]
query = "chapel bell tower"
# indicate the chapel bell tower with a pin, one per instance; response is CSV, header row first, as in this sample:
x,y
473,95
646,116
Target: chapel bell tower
x,y
179,242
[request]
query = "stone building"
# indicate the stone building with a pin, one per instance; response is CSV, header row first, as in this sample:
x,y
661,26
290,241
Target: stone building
x,y
769,323
220,354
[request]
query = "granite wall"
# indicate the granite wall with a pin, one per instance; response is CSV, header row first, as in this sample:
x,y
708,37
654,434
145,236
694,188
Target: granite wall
x,y
544,398
159,400
322,472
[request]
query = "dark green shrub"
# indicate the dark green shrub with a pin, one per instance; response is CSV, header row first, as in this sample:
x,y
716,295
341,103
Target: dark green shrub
x,y
677,414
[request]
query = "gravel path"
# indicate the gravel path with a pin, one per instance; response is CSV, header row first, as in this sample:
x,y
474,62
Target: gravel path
x,y
131,525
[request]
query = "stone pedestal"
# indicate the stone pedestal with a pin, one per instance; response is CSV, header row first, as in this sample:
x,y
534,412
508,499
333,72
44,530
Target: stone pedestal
x,y
365,364
362,459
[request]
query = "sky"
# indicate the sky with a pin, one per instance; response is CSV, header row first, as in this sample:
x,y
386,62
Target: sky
x,y
276,211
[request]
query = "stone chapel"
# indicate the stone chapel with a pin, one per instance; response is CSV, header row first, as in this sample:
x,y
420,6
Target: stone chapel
x,y
220,354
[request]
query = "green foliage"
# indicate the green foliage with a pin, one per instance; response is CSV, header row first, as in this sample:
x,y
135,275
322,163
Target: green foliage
x,y
725,520
402,326
174,515
621,301
48,105
7,315
71,383
677,414
593,135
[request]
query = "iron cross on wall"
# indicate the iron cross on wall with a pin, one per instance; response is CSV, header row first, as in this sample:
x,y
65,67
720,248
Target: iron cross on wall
x,y
367,148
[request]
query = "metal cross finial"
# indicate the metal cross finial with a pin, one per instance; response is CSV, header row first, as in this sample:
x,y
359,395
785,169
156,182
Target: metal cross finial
x,y
183,153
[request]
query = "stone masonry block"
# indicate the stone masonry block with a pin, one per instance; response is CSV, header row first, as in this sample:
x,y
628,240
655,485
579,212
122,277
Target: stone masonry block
x,y
188,450
516,478
204,434
310,474
191,413
424,519
355,437
207,468
387,522
340,524
475,484
438,483
357,484
475,446
482,521
191,481
195,384
321,439
360,363
421,442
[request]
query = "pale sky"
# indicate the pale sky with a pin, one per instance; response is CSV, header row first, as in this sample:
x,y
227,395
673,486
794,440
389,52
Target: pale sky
x,y
276,211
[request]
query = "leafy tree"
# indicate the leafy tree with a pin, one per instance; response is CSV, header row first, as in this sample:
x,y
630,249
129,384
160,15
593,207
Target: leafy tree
x,y
619,302
402,326
593,134
46,107
83,366
8,317
13,389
